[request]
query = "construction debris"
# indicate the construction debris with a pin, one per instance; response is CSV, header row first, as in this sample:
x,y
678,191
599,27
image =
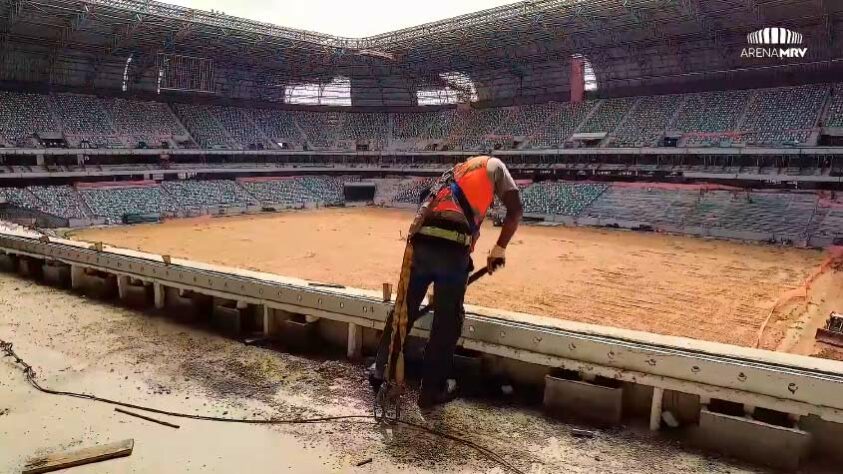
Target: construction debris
x,y
56,461
577,433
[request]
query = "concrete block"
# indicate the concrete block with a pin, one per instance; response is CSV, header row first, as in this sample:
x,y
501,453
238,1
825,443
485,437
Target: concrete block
x,y
468,370
133,294
226,319
56,275
30,267
94,284
685,407
825,437
751,440
185,306
597,402
297,334
333,334
8,263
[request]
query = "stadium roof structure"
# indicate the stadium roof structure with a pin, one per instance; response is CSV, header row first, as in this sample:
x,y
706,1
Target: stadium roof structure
x,y
517,52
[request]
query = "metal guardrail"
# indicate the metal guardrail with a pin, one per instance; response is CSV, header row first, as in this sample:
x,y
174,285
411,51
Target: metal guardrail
x,y
789,383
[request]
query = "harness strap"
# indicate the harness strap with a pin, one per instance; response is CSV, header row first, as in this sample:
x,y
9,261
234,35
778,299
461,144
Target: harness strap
x,y
446,234
467,210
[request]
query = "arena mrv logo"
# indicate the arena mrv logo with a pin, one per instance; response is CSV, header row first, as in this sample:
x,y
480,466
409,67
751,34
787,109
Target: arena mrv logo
x,y
772,43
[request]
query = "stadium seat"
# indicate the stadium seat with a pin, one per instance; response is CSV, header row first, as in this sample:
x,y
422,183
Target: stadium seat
x,y
200,194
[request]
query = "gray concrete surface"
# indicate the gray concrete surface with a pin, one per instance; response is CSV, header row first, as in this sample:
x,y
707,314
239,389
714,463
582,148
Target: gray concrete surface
x,y
80,344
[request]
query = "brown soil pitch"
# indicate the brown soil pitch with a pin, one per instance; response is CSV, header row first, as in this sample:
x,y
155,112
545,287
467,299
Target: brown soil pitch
x,y
683,286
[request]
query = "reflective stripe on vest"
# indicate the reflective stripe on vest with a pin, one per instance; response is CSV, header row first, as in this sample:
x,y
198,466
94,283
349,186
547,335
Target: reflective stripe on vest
x,y
472,177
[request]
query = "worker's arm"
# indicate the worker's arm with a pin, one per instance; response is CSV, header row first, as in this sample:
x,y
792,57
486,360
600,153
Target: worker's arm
x,y
512,202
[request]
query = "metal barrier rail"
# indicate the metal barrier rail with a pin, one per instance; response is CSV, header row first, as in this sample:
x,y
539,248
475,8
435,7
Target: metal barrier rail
x,y
788,383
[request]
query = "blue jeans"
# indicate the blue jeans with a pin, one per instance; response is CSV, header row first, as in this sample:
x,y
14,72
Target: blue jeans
x,y
446,266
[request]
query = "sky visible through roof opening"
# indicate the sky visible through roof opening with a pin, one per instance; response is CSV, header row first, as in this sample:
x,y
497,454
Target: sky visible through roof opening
x,y
351,18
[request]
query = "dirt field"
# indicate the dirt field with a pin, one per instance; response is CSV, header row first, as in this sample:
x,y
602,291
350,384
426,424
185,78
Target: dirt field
x,y
713,290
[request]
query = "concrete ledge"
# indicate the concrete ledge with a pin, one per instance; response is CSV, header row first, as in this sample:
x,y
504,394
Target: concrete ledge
x,y
595,402
751,440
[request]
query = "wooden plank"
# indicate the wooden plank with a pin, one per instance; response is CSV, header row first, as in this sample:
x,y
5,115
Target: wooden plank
x,y
56,461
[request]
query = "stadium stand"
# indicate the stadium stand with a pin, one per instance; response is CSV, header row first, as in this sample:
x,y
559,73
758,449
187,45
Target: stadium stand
x,y
365,127
113,204
84,119
23,115
207,193
320,129
240,127
560,198
298,191
762,117
711,118
141,121
280,127
650,119
642,205
422,125
62,201
523,122
207,131
284,191
20,197
608,115
783,116
324,190
559,128
409,191
473,128
835,108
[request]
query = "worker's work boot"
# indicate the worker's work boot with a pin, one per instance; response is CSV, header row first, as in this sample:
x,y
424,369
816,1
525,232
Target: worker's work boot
x,y
428,399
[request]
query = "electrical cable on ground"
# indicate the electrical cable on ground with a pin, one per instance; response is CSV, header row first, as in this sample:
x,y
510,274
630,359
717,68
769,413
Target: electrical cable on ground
x,y
30,375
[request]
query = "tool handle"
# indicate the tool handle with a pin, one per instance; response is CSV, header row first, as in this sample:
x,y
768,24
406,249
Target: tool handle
x,y
471,279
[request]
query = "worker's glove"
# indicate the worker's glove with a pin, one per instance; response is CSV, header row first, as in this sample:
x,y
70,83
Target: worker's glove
x,y
496,258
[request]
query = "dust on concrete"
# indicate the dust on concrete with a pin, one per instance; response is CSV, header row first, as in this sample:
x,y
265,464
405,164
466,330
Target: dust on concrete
x,y
682,286
79,344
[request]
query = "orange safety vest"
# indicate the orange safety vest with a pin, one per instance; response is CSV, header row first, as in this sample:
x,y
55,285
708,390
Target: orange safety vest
x,y
471,176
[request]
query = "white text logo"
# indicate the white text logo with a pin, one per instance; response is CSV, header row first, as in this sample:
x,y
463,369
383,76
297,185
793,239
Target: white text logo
x,y
774,36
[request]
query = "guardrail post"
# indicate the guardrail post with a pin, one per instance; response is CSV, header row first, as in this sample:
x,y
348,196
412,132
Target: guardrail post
x,y
77,275
122,283
158,290
656,409
355,341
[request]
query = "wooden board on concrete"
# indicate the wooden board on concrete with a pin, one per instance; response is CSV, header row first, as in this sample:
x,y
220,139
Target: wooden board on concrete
x,y
56,461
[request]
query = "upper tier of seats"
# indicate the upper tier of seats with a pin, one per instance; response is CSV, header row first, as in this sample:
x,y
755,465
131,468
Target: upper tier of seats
x,y
787,116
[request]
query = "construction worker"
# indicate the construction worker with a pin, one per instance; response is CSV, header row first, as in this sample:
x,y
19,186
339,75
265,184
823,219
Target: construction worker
x,y
443,235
